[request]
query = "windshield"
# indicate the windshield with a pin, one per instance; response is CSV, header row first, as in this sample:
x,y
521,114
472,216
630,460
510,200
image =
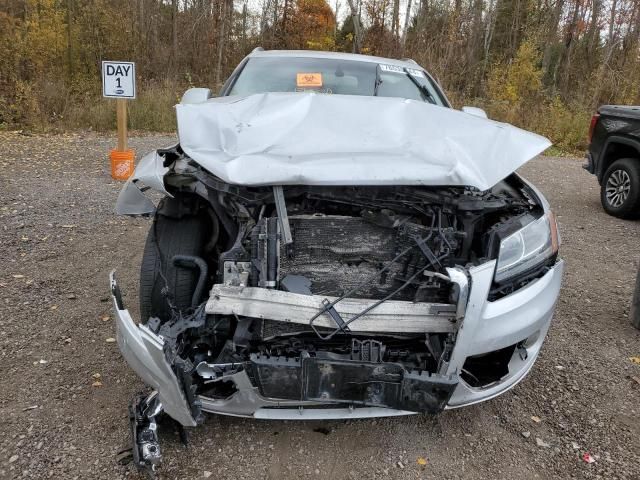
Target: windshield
x,y
333,76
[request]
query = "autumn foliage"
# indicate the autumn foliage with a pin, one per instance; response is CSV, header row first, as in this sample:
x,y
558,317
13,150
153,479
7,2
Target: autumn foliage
x,y
543,65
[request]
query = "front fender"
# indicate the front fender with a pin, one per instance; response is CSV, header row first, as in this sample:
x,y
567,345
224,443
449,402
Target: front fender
x,y
149,173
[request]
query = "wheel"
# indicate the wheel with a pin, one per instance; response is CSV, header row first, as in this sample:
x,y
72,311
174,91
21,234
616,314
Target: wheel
x,y
620,189
634,315
167,238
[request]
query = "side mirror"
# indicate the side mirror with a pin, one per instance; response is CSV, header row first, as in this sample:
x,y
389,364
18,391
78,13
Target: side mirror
x,y
196,95
475,111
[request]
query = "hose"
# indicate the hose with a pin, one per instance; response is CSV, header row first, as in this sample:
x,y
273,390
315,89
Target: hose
x,y
191,261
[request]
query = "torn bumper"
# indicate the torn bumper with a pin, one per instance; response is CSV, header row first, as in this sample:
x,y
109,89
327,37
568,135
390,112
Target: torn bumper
x,y
312,388
351,382
144,352
522,318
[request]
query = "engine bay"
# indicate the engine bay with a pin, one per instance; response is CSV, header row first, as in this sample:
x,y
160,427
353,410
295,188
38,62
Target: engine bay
x,y
296,272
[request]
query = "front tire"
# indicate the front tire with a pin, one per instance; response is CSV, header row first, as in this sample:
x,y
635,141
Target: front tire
x,y
620,189
167,238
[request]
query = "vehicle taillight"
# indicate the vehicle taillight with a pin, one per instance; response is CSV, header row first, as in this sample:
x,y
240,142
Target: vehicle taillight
x,y
594,120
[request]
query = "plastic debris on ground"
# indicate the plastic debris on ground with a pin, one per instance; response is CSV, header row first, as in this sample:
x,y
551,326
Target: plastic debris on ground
x,y
542,443
588,458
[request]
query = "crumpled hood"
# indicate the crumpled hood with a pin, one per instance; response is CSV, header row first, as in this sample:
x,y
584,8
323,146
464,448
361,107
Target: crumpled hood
x,y
316,139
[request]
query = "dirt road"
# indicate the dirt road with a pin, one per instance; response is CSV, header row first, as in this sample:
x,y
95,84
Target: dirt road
x,y
64,388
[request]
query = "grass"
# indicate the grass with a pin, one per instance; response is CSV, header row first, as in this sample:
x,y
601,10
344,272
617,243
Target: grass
x,y
153,110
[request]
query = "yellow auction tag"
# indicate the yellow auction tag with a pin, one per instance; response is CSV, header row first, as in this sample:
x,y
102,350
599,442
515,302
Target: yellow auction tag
x,y
309,80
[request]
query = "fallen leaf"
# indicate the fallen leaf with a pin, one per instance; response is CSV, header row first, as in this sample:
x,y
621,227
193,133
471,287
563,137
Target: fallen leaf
x,y
635,360
97,383
422,461
536,419
105,318
53,307
96,376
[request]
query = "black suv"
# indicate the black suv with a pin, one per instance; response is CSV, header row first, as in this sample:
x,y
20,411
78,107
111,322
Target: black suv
x,y
614,157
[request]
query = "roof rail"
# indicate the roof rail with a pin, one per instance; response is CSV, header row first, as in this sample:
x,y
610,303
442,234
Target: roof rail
x,y
257,49
410,60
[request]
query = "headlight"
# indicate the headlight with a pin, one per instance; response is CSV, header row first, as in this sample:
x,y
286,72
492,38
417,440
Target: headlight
x,y
527,248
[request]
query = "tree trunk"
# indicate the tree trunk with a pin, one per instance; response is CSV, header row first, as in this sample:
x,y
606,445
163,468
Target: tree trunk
x,y
244,27
284,38
335,25
141,33
221,37
174,32
263,20
488,36
611,44
357,35
395,20
405,28
593,32
69,44
564,62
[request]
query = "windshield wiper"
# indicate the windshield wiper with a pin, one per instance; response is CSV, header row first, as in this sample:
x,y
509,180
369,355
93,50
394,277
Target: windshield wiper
x,y
377,82
423,88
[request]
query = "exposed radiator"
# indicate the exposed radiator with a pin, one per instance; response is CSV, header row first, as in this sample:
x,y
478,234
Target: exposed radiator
x,y
338,253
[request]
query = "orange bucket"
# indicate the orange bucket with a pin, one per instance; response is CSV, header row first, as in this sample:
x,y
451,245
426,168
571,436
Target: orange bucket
x,y
122,164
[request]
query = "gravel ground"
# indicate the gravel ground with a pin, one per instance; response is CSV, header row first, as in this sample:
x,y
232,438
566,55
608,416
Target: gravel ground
x,y
65,388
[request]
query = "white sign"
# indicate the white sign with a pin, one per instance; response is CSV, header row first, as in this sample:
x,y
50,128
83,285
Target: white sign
x,y
119,79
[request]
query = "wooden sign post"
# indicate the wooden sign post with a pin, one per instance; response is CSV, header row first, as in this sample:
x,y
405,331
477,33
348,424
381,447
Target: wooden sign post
x,y
121,109
119,82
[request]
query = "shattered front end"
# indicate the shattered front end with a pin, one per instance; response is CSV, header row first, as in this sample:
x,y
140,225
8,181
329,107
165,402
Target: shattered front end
x,y
334,291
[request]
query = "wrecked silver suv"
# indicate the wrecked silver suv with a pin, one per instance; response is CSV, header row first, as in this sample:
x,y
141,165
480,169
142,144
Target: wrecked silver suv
x,y
334,241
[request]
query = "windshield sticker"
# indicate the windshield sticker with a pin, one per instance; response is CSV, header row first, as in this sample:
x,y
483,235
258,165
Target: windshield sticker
x,y
309,80
327,91
391,68
414,72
